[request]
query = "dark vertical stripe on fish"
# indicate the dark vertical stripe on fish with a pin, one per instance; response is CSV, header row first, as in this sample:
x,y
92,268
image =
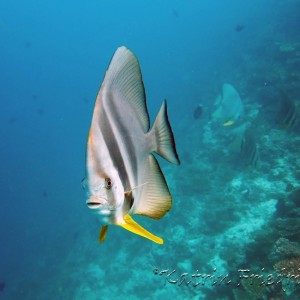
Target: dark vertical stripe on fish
x,y
128,143
113,149
117,148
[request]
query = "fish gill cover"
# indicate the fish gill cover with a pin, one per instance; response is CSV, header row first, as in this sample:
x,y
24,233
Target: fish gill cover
x,y
233,230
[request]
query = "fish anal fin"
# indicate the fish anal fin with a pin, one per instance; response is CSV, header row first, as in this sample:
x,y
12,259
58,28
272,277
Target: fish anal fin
x,y
155,199
102,234
132,226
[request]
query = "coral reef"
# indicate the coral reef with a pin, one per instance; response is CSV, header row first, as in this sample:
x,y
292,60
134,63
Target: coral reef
x,y
290,268
288,227
284,248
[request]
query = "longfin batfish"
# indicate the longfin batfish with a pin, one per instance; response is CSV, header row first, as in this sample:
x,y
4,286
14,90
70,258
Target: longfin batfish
x,y
229,106
123,176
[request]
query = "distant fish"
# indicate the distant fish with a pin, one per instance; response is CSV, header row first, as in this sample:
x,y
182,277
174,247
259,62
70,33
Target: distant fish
x,y
239,27
229,106
287,115
2,286
123,177
175,13
198,111
45,194
249,149
12,120
40,111
27,44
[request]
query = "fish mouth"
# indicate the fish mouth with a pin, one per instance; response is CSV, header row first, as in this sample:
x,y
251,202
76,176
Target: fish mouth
x,y
93,205
95,202
99,206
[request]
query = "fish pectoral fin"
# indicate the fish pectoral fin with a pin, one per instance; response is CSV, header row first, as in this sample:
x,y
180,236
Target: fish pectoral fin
x,y
102,234
228,123
130,225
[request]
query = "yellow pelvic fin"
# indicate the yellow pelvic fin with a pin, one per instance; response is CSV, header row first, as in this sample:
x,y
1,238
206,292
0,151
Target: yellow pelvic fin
x,y
102,234
228,123
134,227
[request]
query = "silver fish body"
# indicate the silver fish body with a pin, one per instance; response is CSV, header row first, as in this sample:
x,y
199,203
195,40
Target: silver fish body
x,y
123,177
229,106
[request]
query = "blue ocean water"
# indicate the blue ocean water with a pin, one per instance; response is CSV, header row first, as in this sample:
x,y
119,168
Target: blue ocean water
x,y
230,213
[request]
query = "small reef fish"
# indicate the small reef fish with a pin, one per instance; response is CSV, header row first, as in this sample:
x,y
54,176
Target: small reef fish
x,y
122,175
229,106
198,111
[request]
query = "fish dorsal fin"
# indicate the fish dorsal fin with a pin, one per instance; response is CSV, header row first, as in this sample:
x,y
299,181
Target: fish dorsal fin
x,y
132,226
123,79
164,138
155,200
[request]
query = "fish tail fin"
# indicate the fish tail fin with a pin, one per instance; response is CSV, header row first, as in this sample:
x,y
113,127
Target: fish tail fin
x,y
102,234
164,138
130,225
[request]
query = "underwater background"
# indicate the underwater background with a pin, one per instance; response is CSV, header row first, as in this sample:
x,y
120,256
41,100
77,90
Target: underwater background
x,y
234,228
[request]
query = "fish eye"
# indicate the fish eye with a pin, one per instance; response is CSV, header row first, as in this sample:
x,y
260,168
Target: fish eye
x,y
108,183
